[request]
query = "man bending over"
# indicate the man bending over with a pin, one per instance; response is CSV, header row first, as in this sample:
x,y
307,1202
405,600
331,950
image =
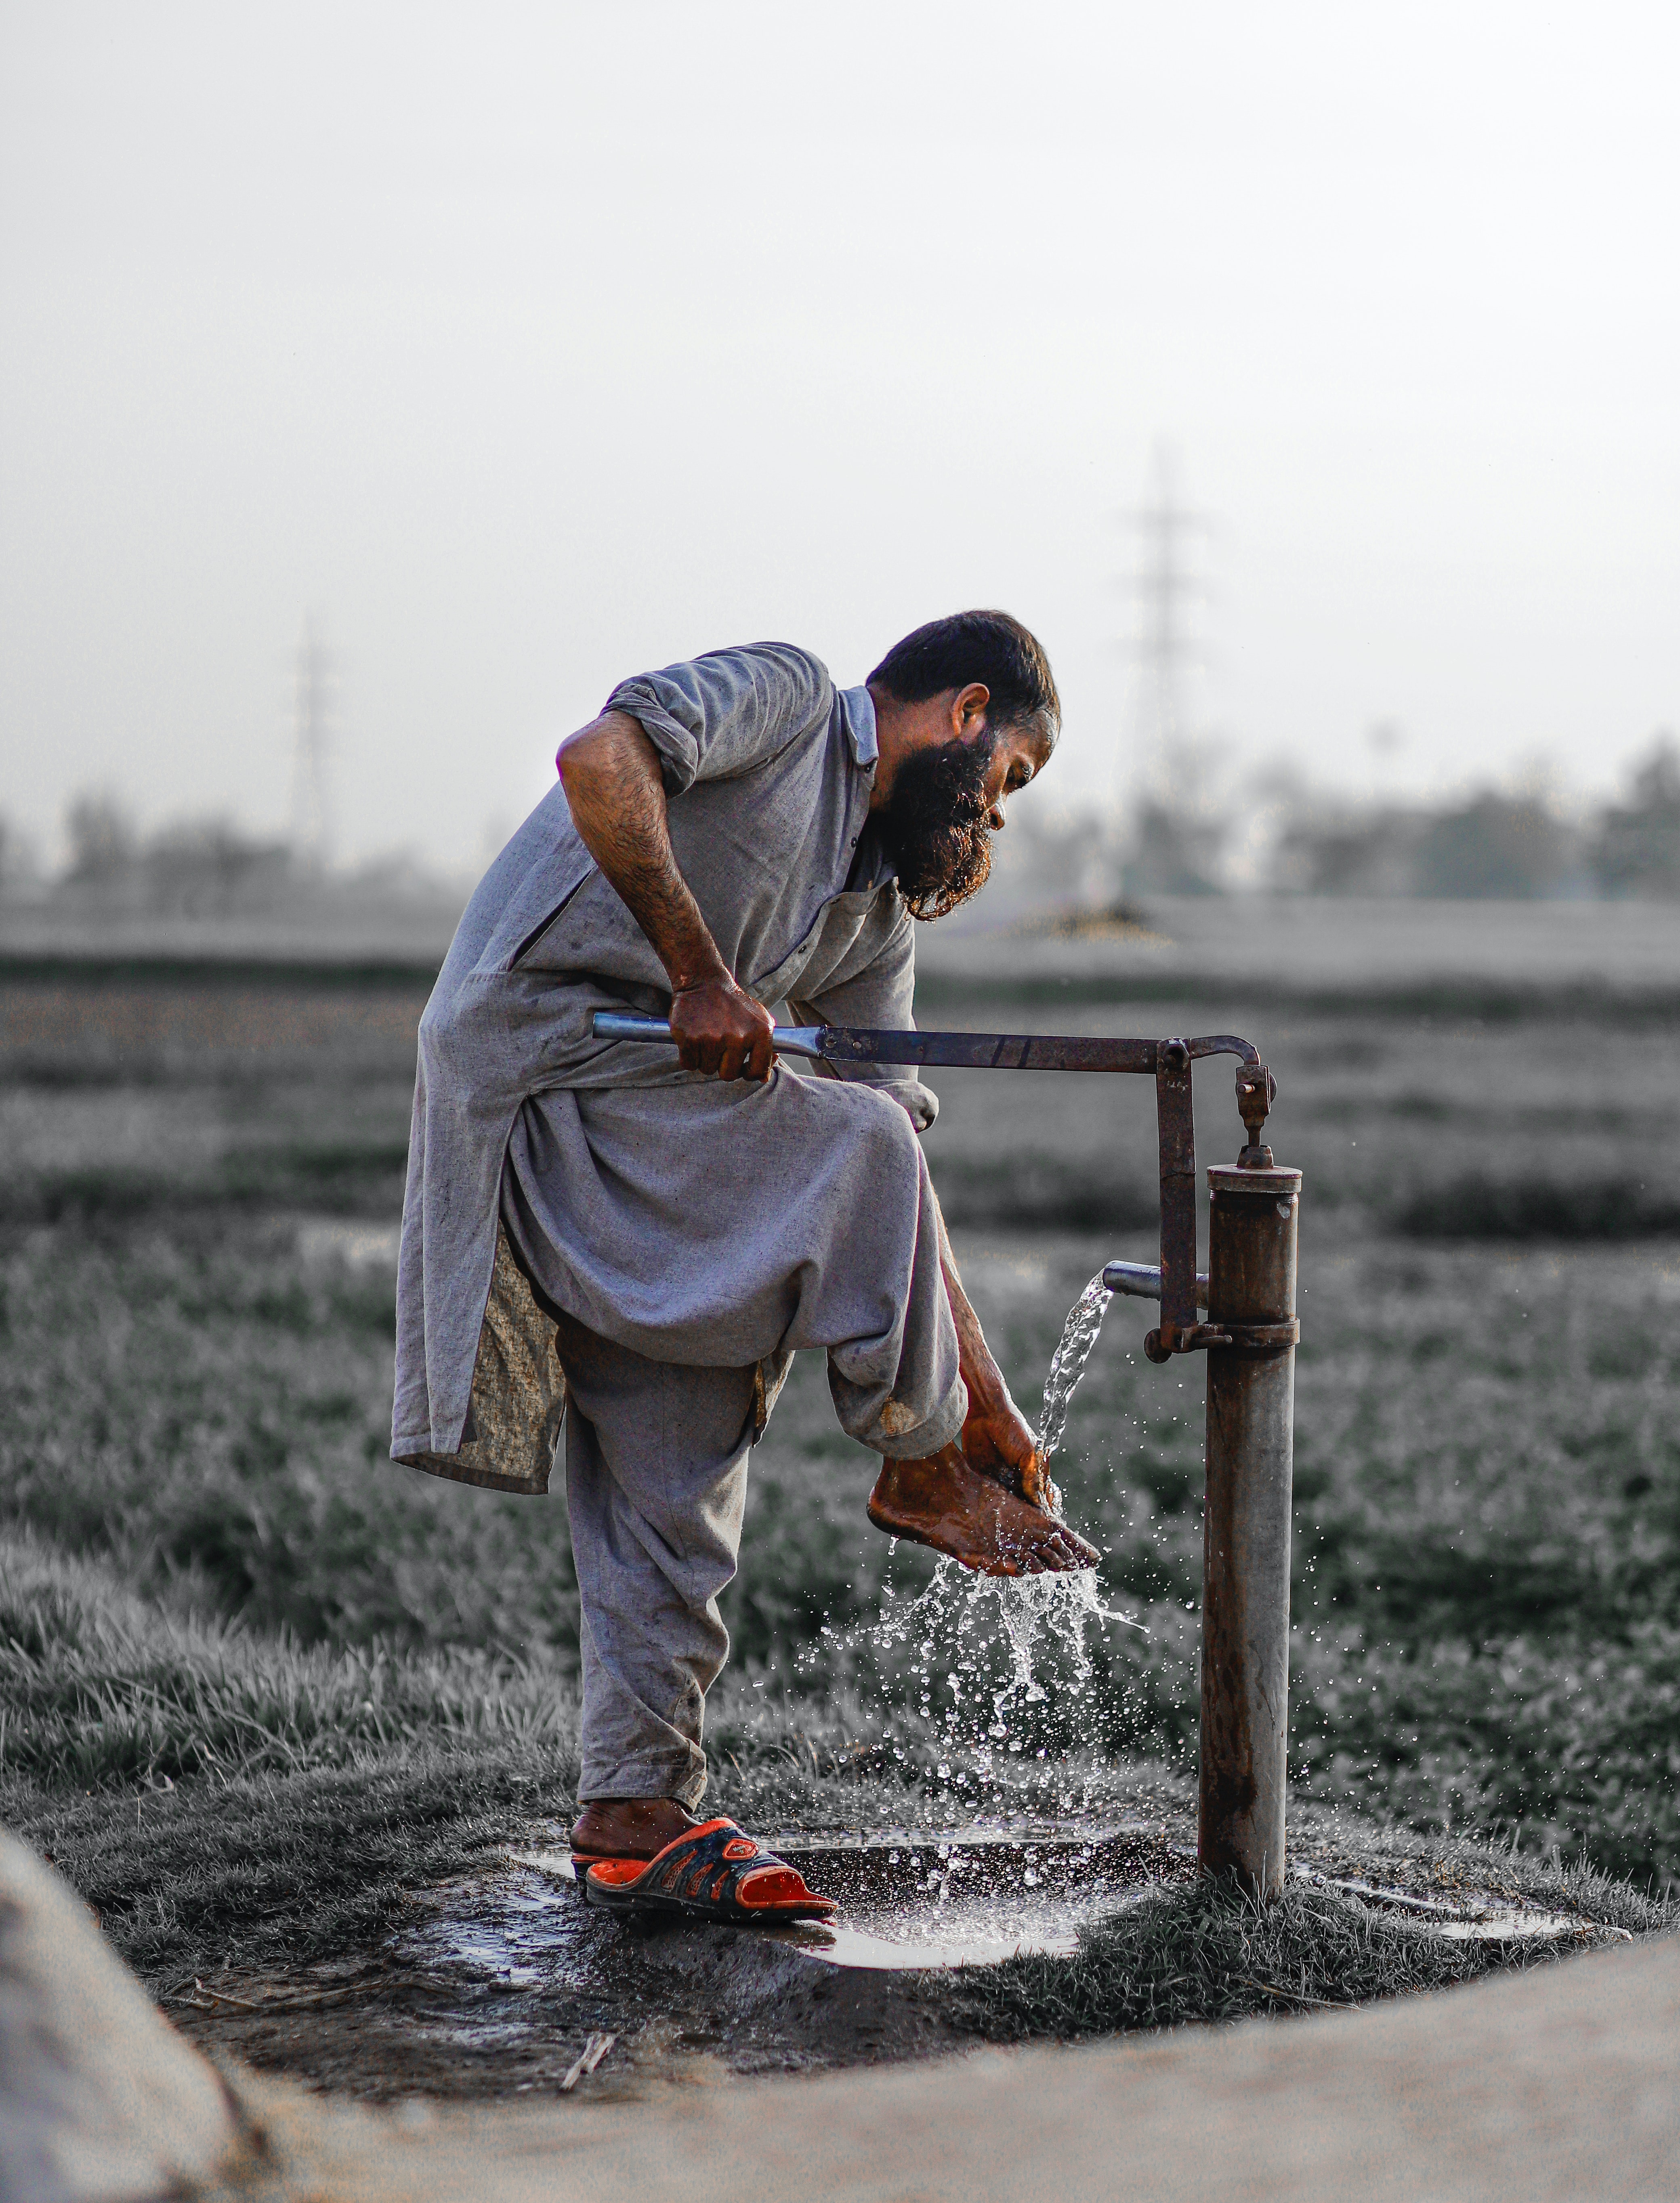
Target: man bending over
x,y
638,1239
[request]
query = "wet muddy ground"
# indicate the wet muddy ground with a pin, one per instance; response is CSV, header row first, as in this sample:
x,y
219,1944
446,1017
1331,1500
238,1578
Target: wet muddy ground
x,y
500,1987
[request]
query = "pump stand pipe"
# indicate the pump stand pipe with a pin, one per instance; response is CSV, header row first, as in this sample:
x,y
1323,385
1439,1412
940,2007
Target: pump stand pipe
x,y
1250,1337
1253,1221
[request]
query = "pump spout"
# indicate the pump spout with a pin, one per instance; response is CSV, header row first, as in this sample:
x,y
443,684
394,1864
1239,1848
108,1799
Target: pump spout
x,y
1141,1281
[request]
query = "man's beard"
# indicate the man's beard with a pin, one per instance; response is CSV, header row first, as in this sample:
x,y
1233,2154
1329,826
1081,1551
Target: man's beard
x,y
933,826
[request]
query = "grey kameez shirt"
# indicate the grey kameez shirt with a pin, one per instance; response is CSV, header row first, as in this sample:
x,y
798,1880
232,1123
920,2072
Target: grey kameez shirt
x,y
768,772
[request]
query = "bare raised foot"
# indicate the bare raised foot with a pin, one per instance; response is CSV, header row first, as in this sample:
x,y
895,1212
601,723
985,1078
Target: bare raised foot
x,y
943,1503
628,1827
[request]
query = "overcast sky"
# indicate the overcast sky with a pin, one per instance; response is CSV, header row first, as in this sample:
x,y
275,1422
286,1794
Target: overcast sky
x,y
526,348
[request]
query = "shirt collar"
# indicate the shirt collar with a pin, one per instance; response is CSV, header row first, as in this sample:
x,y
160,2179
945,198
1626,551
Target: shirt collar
x,y
860,706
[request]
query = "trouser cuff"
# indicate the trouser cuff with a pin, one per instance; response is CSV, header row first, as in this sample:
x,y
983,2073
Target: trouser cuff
x,y
666,1776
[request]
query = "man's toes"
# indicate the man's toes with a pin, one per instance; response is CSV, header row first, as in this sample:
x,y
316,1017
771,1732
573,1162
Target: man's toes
x,y
1061,1553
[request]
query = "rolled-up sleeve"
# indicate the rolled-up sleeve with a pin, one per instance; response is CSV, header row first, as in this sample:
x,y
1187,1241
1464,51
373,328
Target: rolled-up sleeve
x,y
714,717
882,995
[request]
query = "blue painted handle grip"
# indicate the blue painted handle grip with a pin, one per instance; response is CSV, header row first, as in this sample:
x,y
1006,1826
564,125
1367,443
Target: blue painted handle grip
x,y
789,1040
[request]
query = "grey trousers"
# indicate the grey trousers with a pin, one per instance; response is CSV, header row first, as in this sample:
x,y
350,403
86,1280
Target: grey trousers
x,y
682,1236
656,1481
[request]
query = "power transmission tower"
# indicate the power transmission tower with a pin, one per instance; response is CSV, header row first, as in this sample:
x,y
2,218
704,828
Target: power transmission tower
x,y
311,839
1164,648
1177,831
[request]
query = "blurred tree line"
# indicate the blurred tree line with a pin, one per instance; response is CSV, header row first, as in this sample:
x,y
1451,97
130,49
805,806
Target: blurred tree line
x,y
1503,846
192,868
196,868
1510,847
1491,845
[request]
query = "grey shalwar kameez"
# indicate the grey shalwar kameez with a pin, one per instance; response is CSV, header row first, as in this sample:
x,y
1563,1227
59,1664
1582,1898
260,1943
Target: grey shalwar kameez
x,y
588,1228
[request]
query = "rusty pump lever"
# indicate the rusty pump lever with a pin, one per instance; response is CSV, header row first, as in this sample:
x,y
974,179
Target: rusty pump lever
x,y
1168,1061
964,1051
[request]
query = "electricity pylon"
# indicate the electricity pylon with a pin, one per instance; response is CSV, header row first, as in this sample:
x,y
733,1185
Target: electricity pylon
x,y
1177,831
311,839
1164,645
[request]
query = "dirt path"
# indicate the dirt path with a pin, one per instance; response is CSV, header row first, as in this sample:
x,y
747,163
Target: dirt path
x,y
1564,2082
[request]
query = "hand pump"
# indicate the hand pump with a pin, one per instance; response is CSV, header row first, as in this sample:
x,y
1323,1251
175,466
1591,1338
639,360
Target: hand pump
x,y
1250,1338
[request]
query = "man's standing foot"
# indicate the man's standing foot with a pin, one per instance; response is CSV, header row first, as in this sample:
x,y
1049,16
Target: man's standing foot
x,y
628,1827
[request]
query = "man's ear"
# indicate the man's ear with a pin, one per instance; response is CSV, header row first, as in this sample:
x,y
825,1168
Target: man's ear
x,y
969,707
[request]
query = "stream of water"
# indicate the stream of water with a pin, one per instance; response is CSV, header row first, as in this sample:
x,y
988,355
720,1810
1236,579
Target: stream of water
x,y
1079,1337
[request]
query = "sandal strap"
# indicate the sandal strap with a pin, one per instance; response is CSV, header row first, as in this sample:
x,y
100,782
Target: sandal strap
x,y
706,1866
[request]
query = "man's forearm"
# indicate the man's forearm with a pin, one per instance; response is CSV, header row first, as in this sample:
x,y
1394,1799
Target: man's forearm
x,y
612,783
979,1370
997,1438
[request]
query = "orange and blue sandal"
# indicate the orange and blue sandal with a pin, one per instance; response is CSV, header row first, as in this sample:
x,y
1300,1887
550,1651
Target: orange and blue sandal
x,y
714,1872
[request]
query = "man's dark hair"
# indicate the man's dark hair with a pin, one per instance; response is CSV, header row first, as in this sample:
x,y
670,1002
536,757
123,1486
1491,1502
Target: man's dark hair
x,y
988,647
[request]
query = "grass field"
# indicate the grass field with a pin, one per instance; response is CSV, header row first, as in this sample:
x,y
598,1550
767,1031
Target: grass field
x,y
223,1611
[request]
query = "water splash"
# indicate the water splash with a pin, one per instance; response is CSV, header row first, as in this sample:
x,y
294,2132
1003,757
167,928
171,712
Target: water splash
x,y
1079,1337
960,1613
993,1664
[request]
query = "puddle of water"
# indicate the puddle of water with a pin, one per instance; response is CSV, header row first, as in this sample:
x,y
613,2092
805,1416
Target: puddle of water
x,y
499,1984
848,1947
974,1896
1471,1919
916,1900
910,1899
1505,1927
559,1863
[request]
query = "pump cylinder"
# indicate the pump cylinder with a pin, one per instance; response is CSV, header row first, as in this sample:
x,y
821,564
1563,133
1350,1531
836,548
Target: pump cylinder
x,y
1251,1452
